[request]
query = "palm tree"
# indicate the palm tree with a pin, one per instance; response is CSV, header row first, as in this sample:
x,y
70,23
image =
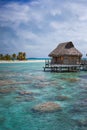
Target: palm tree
x,y
1,56
24,56
14,57
7,57
19,57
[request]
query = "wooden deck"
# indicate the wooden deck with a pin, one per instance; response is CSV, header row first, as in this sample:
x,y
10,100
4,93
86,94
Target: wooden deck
x,y
64,68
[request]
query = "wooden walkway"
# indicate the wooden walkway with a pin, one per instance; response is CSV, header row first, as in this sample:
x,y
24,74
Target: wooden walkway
x,y
64,68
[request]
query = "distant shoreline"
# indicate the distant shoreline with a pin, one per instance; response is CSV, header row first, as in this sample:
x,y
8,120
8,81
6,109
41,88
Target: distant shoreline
x,y
24,61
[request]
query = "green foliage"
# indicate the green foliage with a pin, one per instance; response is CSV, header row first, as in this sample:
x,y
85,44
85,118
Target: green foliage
x,y
7,57
14,57
20,56
1,56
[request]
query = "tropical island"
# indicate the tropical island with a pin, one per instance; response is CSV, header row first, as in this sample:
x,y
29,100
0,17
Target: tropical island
x,y
7,57
18,58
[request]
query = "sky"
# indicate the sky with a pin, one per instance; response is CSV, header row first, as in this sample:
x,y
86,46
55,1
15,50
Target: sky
x,y
38,26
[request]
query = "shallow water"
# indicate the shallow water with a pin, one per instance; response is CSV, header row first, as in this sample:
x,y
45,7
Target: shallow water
x,y
16,108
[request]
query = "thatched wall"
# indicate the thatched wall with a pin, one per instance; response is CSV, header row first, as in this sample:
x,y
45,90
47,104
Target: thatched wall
x,y
71,60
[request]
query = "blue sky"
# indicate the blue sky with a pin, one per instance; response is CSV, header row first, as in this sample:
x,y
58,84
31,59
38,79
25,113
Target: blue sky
x,y
38,26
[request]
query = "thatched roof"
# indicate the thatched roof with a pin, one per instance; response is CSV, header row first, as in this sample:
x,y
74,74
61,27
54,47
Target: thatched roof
x,y
66,48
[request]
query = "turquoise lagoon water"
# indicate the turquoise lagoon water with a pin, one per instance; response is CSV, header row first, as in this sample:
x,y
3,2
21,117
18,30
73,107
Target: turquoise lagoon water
x,y
16,109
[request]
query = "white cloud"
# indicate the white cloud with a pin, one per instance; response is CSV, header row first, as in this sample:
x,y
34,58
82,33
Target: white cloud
x,y
41,25
79,10
14,13
26,35
56,12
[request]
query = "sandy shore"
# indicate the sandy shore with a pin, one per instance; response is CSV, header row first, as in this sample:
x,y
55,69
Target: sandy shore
x,y
27,61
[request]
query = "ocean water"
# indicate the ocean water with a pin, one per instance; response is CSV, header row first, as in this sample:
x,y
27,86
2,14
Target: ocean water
x,y
69,90
39,58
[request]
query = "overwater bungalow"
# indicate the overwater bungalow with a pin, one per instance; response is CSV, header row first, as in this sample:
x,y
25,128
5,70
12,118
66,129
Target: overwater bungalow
x,y
65,57
66,53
